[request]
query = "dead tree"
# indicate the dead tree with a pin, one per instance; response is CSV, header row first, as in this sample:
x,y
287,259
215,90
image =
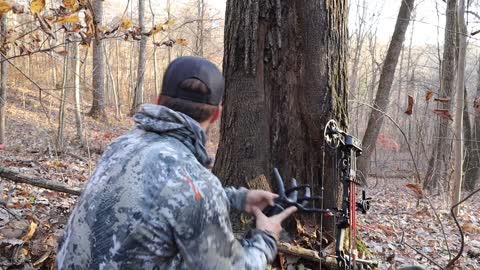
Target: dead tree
x,y
375,121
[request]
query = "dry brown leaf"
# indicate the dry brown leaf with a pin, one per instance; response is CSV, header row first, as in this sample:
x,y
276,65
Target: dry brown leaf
x,y
181,41
417,189
443,100
36,6
71,4
387,230
428,96
471,228
169,22
445,114
73,18
409,110
125,23
157,28
90,25
62,53
31,231
5,7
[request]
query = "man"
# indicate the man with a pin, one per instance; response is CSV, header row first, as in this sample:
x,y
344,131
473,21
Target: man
x,y
153,204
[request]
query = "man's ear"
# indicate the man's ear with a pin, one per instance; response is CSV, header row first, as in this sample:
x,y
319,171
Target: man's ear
x,y
217,114
159,99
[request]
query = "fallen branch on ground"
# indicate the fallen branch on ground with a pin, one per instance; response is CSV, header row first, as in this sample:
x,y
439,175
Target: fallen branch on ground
x,y
19,178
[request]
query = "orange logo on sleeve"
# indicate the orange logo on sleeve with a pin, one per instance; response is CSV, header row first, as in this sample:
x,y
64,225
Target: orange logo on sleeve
x,y
195,190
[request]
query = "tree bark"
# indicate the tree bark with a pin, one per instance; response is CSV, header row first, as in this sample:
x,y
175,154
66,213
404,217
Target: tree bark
x,y
441,147
472,172
98,68
63,96
284,80
375,121
138,96
76,86
3,84
470,165
462,51
199,34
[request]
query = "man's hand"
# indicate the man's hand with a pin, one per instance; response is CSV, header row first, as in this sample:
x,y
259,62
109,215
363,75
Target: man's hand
x,y
273,224
259,199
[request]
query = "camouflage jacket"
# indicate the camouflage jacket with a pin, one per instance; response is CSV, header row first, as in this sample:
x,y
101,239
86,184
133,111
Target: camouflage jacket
x,y
152,204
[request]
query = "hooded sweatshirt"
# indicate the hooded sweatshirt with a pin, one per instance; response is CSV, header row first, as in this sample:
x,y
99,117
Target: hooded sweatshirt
x,y
152,204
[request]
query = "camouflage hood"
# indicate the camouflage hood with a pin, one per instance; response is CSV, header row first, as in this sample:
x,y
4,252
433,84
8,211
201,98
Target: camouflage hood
x,y
164,121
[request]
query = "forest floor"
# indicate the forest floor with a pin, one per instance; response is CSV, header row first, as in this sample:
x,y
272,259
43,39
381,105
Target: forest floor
x,y
32,219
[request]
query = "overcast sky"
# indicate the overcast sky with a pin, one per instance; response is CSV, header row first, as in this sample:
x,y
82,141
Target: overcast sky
x,y
428,23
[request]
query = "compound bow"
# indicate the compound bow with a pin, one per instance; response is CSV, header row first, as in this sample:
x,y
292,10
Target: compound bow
x,y
348,149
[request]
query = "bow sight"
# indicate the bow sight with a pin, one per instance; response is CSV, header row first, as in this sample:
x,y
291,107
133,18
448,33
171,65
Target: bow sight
x,y
347,148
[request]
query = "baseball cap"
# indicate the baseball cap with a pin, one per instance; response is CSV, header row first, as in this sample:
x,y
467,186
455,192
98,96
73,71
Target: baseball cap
x,y
188,67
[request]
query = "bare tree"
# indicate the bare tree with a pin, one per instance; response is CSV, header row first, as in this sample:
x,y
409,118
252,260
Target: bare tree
x,y
440,156
75,62
63,97
462,51
375,121
199,38
98,69
3,82
138,93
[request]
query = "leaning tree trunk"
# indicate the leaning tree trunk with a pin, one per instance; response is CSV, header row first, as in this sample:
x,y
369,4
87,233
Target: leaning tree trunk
x,y
284,80
3,83
441,150
98,69
375,121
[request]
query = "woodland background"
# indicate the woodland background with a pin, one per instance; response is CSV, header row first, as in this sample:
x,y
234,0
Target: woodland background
x,y
58,113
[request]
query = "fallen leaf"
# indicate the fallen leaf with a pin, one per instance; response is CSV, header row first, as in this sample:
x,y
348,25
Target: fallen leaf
x,y
428,96
5,7
417,189
409,110
471,228
31,231
387,230
36,6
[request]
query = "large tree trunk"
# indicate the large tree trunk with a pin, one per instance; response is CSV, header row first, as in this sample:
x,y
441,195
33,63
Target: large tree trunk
x,y
138,96
441,148
375,121
98,69
3,84
284,80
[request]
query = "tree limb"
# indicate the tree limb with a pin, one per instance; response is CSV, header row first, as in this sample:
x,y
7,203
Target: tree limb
x,y
19,178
